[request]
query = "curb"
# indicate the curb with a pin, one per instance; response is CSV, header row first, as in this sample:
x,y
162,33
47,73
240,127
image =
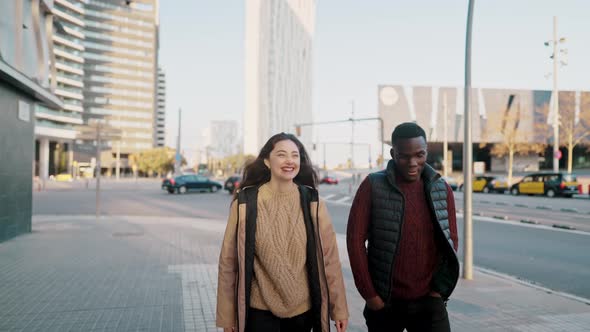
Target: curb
x,y
531,284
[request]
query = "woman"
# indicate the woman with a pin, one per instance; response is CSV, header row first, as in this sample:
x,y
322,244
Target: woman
x,y
279,268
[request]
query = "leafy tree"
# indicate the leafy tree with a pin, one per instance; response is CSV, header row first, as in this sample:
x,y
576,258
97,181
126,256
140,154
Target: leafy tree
x,y
515,139
158,160
573,129
234,163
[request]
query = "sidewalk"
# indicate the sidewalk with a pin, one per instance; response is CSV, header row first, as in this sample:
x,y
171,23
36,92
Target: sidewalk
x,y
74,273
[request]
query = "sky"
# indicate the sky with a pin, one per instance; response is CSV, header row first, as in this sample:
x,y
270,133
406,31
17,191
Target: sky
x,y
359,45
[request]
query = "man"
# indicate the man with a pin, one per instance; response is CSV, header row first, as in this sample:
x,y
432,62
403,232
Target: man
x,y
406,215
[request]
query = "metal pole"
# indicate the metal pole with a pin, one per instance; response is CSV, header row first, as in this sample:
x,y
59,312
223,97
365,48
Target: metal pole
x,y
382,144
352,137
468,156
98,169
118,163
178,159
555,99
445,140
325,157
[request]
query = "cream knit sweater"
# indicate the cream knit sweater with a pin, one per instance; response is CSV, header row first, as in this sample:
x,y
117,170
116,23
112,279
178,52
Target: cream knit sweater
x,y
280,279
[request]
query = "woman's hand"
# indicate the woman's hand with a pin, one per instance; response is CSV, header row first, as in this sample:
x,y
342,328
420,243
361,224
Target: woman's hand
x,y
341,325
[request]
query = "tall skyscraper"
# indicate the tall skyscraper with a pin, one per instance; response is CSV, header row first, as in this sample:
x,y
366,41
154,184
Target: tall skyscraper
x,y
120,71
160,127
279,44
55,129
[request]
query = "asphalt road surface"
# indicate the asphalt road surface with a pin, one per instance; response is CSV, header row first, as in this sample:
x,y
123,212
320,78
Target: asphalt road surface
x,y
551,257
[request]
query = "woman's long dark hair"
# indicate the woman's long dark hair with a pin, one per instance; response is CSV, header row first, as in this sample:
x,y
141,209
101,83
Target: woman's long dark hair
x,y
256,172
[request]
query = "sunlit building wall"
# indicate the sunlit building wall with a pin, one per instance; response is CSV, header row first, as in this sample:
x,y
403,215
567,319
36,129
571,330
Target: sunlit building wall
x,y
279,45
120,73
55,129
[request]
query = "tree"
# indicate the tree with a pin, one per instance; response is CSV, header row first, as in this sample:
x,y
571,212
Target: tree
x,y
573,128
235,163
515,138
158,160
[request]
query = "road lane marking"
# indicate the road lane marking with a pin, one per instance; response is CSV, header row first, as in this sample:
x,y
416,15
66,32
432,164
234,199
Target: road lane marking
x,y
343,199
518,223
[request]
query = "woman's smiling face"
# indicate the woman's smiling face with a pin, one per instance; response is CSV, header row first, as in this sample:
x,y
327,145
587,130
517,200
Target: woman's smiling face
x,y
284,161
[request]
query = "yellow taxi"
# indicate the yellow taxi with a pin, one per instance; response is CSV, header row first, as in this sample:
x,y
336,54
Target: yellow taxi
x,y
488,184
64,177
548,184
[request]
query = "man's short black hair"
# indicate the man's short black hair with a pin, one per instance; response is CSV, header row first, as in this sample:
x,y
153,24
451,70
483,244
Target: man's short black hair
x,y
407,130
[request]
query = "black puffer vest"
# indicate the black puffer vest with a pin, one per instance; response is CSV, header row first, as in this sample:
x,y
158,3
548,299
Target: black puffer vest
x,y
387,215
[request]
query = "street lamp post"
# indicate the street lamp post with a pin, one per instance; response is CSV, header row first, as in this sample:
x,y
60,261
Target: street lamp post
x,y
352,137
468,156
555,93
98,168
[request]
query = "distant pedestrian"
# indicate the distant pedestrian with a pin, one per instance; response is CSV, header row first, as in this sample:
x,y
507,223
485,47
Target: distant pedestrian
x,y
406,216
279,268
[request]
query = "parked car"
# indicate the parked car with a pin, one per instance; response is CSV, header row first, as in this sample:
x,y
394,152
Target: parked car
x,y
488,184
549,184
232,183
184,183
451,182
329,180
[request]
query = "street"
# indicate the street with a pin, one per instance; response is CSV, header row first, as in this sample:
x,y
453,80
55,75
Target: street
x,y
555,258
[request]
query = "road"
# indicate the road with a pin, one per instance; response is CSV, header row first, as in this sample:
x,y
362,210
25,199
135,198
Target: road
x,y
551,257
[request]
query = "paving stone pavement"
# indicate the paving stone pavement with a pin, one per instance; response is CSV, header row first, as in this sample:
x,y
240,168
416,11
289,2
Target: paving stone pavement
x,y
76,273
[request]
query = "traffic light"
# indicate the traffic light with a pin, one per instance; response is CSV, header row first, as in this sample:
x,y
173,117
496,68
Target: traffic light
x,y
298,131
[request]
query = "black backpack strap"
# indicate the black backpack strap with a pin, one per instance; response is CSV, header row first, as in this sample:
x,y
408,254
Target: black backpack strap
x,y
307,196
249,196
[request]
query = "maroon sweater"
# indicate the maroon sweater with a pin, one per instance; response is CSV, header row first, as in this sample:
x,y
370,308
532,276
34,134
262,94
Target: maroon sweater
x,y
418,253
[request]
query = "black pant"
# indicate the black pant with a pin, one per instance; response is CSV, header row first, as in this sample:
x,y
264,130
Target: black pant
x,y
265,321
426,314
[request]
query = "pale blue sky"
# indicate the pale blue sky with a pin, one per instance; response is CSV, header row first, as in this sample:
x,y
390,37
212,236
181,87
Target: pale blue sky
x,y
361,44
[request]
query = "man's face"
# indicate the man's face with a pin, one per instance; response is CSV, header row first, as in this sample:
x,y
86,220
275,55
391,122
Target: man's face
x,y
409,155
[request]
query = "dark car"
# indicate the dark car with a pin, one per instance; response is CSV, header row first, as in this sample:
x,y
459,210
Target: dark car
x,y
232,183
329,180
549,184
184,183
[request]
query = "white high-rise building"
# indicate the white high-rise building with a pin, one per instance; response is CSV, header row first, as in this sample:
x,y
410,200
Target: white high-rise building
x,y
223,138
279,40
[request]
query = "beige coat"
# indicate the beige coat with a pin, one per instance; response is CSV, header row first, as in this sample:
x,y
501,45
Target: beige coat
x,y
231,289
